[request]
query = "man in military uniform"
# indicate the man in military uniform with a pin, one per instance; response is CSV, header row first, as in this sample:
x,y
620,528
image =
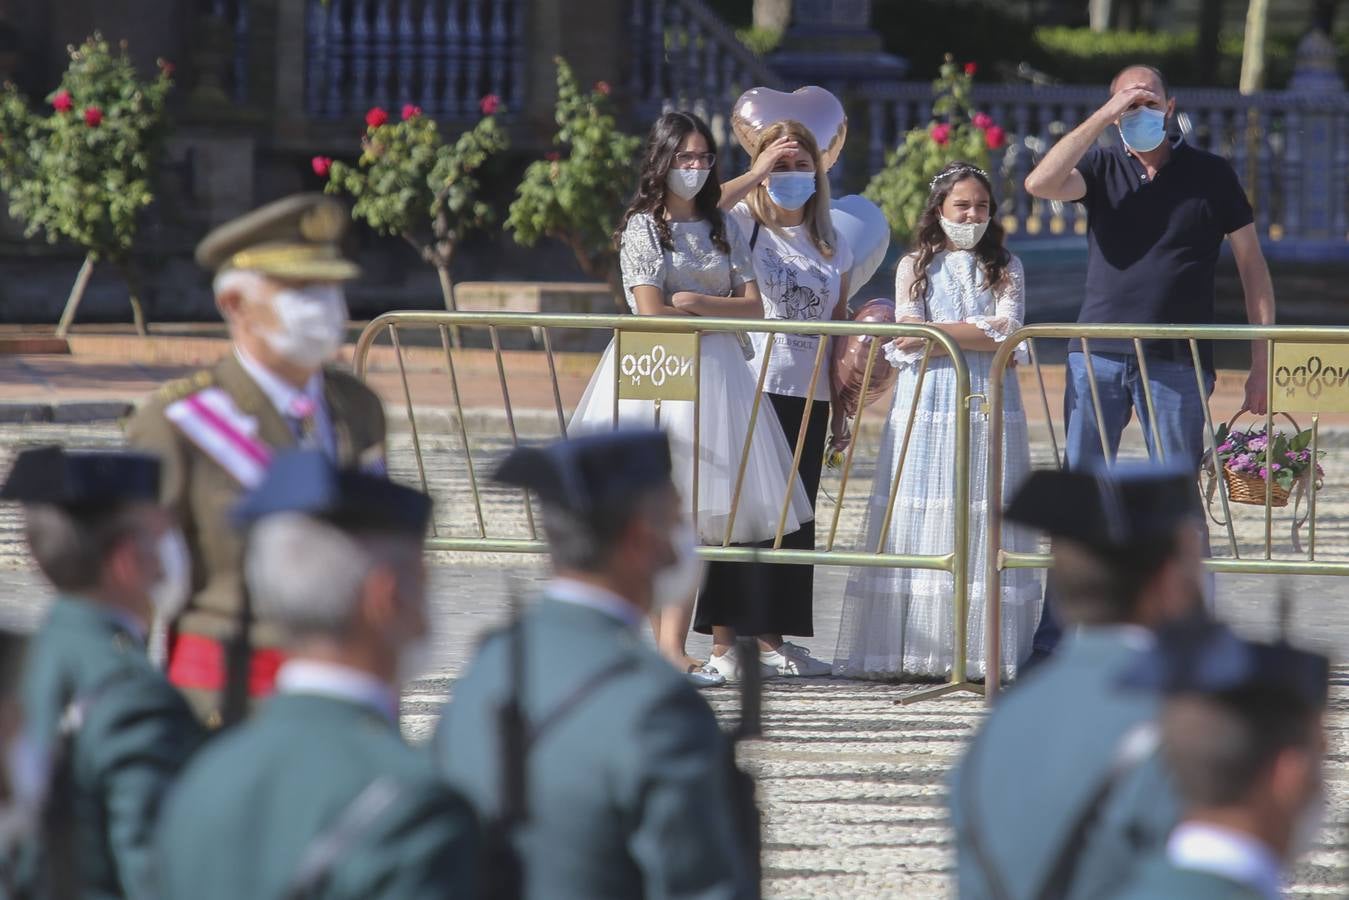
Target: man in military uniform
x,y
111,734
1061,790
622,771
1243,736
278,286
317,795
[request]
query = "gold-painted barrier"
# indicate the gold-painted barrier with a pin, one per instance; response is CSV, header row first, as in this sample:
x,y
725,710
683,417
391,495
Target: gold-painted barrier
x,y
1308,373
657,360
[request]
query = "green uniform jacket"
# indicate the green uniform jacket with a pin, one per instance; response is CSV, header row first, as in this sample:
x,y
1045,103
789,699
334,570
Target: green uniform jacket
x,y
137,735
1033,768
1160,880
260,797
202,492
627,793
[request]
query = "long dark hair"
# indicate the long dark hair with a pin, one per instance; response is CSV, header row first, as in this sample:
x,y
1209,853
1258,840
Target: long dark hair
x,y
662,143
931,240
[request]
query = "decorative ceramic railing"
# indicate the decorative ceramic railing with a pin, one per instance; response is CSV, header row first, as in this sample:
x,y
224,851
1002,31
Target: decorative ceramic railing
x,y
1289,148
442,55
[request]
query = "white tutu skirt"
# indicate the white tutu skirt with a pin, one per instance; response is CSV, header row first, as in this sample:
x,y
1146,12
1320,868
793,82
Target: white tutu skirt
x,y
727,392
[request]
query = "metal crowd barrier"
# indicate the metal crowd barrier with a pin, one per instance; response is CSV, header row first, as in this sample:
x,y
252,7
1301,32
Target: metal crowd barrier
x,y
1308,373
678,339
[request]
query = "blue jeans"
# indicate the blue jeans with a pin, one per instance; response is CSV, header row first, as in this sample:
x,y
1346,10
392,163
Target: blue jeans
x,y
1180,426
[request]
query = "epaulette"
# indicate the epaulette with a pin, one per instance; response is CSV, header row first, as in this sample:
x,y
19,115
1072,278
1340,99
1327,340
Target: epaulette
x,y
182,387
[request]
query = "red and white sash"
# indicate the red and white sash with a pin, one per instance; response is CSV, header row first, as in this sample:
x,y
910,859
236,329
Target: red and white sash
x,y
213,421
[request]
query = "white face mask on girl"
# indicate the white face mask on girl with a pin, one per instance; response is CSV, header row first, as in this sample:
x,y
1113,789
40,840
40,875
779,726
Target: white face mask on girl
x,y
677,583
964,235
311,323
687,182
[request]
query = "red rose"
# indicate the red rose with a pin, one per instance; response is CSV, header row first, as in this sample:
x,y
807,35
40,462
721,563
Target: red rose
x,y
376,117
62,102
983,121
489,104
167,68
941,133
603,87
552,156
995,137
322,165
971,68
93,116
411,112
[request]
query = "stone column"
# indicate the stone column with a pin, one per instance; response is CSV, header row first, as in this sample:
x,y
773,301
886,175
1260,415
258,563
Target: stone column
x,y
592,37
1321,176
831,43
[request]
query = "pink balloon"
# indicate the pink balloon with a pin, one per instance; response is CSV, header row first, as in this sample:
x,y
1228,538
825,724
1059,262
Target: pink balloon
x,y
850,359
813,107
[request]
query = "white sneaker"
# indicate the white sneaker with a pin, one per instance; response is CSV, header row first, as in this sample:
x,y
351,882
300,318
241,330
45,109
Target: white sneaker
x,y
794,660
728,664
705,676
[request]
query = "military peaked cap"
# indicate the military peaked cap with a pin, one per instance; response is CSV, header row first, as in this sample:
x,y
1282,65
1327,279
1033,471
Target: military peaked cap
x,y
296,238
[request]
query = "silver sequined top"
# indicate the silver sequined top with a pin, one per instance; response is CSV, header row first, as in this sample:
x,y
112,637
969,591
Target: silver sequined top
x,y
694,264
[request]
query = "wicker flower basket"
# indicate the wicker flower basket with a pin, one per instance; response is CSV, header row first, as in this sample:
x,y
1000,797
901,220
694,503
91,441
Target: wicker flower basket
x,y
1243,487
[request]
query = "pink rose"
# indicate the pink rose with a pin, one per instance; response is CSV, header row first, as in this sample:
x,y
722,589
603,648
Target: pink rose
x,y
995,137
490,104
603,87
93,116
322,165
411,112
941,133
982,121
62,102
971,68
376,117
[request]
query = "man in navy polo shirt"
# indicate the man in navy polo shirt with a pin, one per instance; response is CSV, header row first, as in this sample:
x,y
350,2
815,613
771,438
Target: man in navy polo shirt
x,y
1157,212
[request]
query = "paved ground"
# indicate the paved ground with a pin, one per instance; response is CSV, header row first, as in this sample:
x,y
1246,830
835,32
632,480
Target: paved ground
x,y
851,783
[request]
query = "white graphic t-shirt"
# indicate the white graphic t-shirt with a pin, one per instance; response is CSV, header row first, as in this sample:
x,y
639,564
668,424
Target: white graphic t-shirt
x,y
800,285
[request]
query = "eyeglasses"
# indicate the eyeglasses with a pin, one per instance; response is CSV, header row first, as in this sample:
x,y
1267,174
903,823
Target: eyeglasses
x,y
687,160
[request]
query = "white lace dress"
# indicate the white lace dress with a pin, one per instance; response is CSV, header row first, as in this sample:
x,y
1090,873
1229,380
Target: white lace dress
x,y
726,390
900,623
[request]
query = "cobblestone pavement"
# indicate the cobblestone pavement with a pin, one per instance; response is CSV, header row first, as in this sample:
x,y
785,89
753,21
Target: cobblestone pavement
x,y
852,784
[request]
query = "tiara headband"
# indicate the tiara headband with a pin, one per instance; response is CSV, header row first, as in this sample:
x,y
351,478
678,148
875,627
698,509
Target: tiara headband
x,y
963,170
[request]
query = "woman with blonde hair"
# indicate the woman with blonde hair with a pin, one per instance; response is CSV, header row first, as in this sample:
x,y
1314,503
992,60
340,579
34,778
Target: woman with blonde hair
x,y
801,265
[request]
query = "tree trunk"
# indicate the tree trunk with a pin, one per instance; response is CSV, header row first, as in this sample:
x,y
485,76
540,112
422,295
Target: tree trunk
x,y
76,295
772,15
1253,53
447,292
1210,28
131,275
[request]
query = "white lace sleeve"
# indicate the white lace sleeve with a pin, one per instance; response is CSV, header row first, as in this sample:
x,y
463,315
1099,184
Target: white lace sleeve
x,y
907,309
1009,308
641,259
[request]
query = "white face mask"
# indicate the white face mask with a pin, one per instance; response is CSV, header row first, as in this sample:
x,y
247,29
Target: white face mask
x,y
174,587
678,583
687,182
311,324
964,235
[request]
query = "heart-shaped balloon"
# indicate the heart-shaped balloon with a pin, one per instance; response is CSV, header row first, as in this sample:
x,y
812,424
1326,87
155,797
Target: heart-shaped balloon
x,y
850,359
813,107
863,226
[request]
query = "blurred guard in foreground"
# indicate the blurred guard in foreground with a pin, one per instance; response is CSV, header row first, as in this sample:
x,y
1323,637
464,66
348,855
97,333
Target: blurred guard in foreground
x,y
1061,792
1243,735
317,796
610,779
108,733
278,285
19,788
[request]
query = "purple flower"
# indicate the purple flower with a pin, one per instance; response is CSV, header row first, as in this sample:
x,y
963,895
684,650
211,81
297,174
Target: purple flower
x,y
1226,445
1257,442
1242,462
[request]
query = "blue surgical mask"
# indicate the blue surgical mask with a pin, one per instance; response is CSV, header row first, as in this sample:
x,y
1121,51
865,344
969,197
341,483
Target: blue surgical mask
x,y
1143,129
791,190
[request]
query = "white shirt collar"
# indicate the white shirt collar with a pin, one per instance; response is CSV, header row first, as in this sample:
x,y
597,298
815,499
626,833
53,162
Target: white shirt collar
x,y
1136,636
308,676
569,590
1202,847
279,392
